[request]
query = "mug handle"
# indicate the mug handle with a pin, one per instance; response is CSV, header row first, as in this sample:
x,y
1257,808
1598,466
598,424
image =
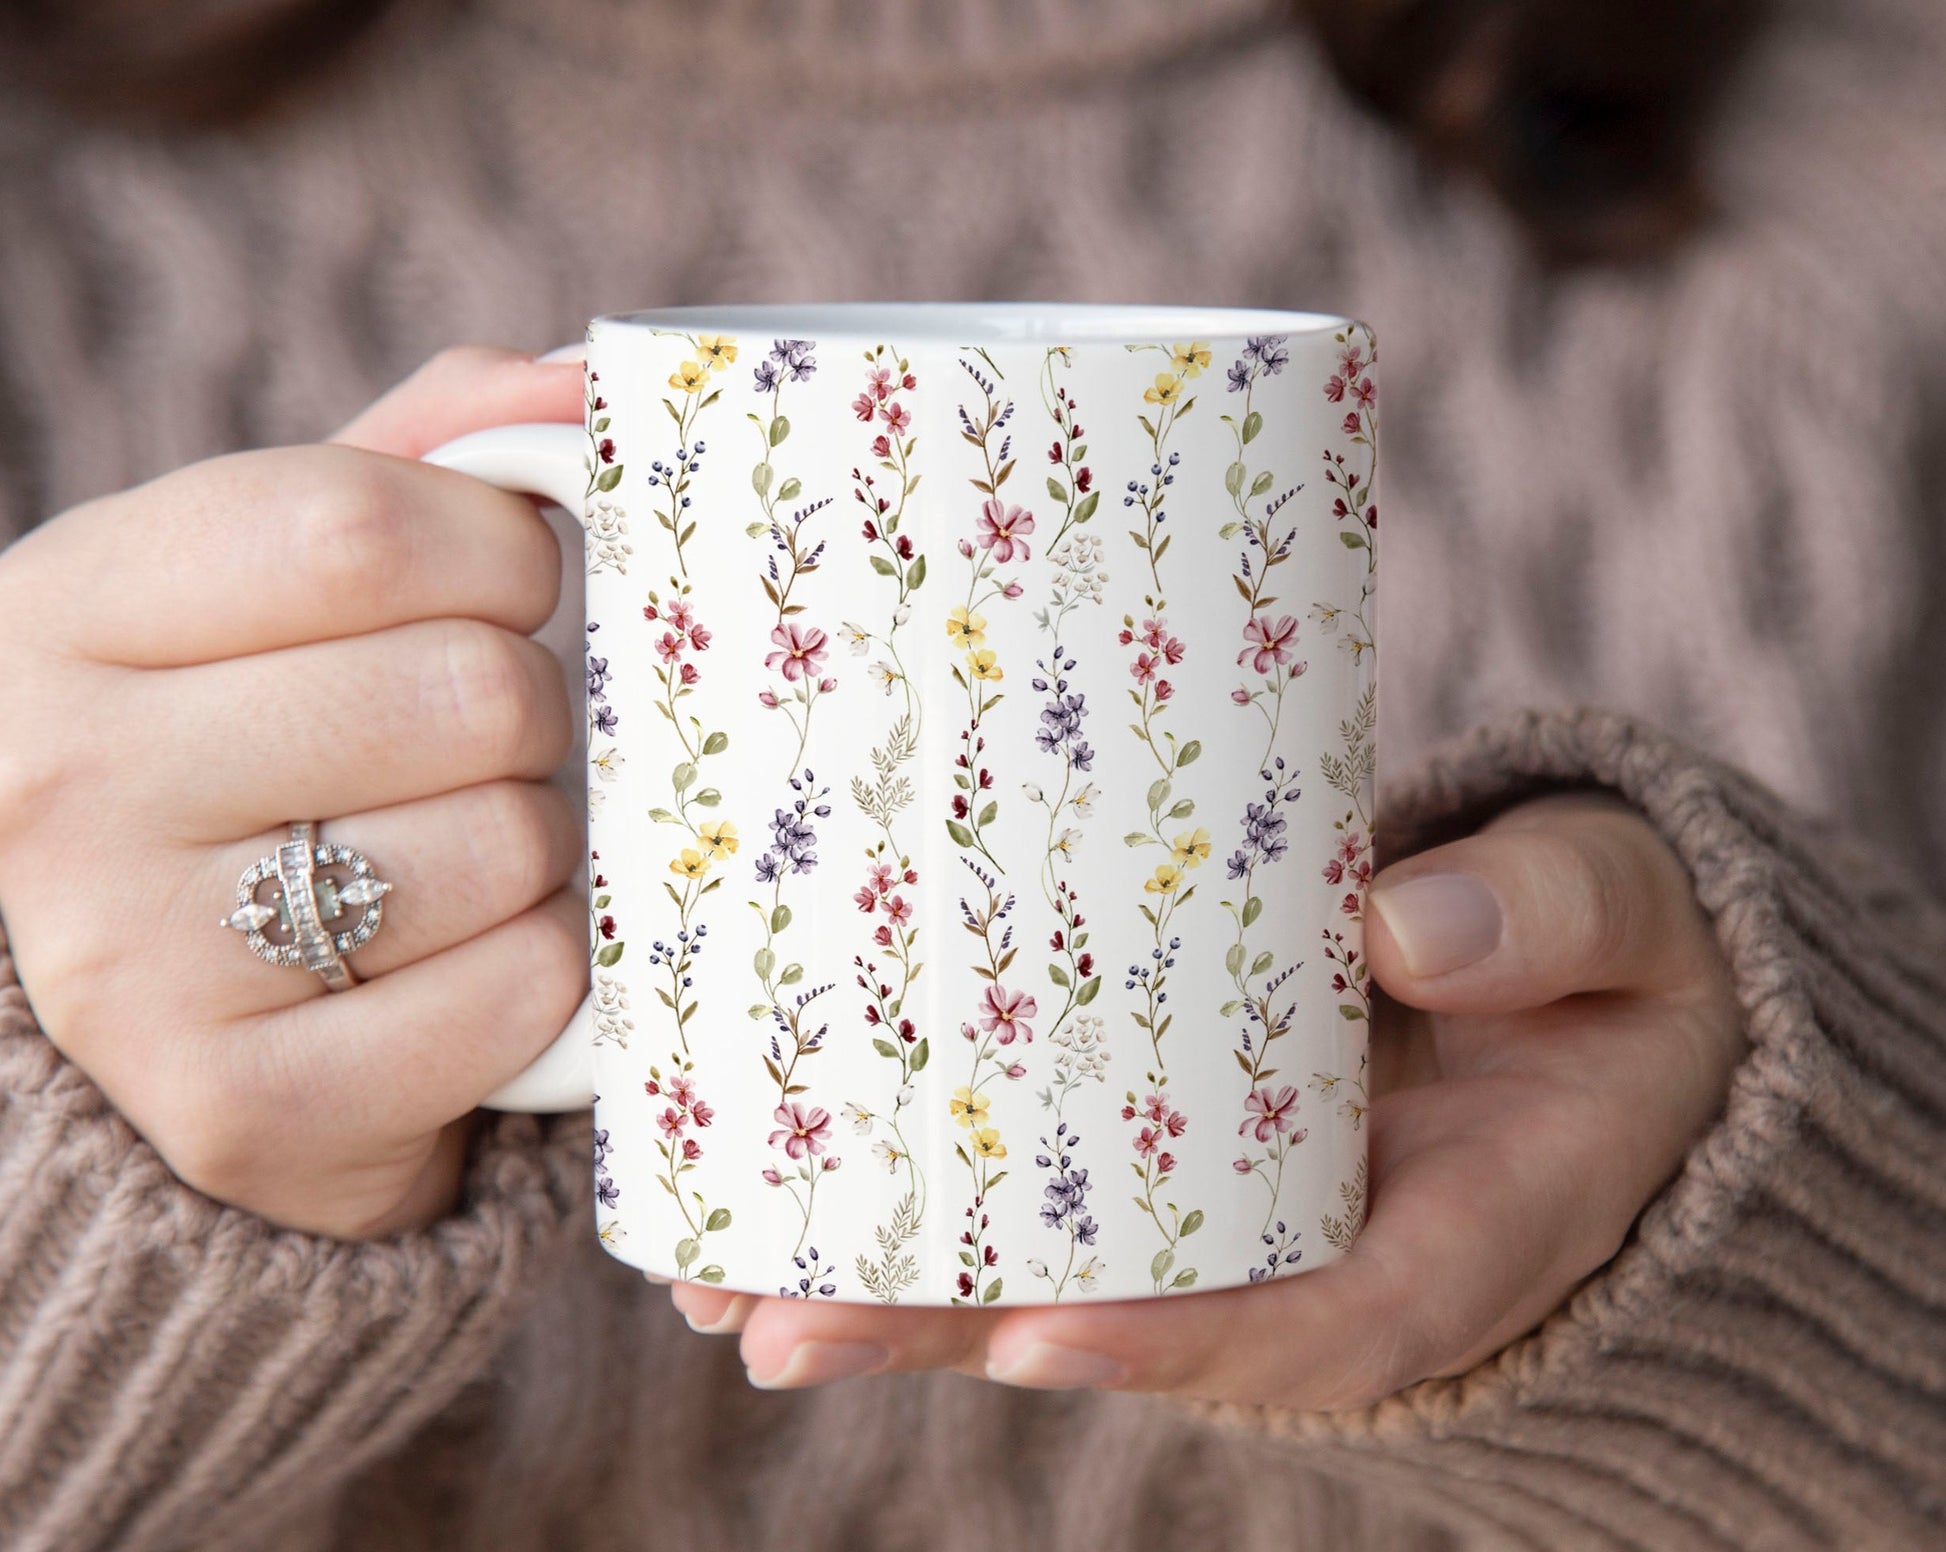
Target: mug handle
x,y
544,461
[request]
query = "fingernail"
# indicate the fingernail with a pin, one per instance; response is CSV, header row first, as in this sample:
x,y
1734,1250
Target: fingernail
x,y
655,1277
1045,1366
732,1319
578,351
819,1363
1441,921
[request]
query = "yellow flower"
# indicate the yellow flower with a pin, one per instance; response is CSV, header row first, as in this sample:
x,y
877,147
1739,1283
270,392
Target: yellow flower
x,y
969,1109
982,666
691,864
987,1143
1167,389
1166,878
1189,360
1192,847
720,838
689,377
717,351
965,628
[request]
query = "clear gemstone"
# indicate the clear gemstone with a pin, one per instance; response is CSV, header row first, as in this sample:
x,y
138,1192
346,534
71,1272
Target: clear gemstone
x,y
362,891
248,918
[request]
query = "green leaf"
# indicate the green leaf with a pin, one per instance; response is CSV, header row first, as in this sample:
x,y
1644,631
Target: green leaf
x,y
710,1274
683,777
610,955
791,976
1085,507
720,1220
1135,838
1158,792
1351,541
662,816
760,477
1054,489
966,1257
779,429
1233,959
1182,808
921,1053
1185,1278
780,917
765,962
1349,1012
885,1047
1192,1221
988,813
1160,1264
1261,483
602,424
1229,1009
1088,992
883,566
1252,909
601,902
1058,976
686,1251
709,797
1252,424
716,743
1190,753
609,478
992,1293
915,574
789,490
960,834
994,1180
1233,477
757,1010
1261,963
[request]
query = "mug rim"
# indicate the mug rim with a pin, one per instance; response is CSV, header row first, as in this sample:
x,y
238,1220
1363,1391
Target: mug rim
x,y
960,324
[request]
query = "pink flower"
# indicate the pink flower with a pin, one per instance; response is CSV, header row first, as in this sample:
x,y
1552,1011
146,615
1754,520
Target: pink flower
x,y
1334,871
899,909
803,650
692,1150
1013,1070
1164,689
680,616
1164,1163
1269,644
826,685
773,1177
701,1113
1349,905
879,383
1365,393
897,417
969,1031
1003,529
1242,1166
800,1131
1148,1141
690,674
1334,390
699,638
682,1091
1269,1113
868,902
671,1122
1241,696
865,406
1007,1013
832,1161
1013,589
670,644
1144,667
883,936
884,876
881,448
1351,426
767,698
1350,847
1351,360
966,548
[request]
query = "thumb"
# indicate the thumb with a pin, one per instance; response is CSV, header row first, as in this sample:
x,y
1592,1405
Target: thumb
x,y
1573,892
467,388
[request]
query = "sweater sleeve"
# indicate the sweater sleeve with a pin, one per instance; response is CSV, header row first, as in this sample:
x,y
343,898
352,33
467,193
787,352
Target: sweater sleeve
x,y
1763,1364
174,1372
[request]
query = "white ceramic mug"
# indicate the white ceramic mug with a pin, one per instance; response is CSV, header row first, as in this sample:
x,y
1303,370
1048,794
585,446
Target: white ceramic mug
x,y
980,752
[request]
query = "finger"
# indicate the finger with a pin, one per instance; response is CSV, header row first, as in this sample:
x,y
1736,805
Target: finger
x,y
1561,895
465,389
791,1343
458,864
408,1052
712,1311
249,743
268,549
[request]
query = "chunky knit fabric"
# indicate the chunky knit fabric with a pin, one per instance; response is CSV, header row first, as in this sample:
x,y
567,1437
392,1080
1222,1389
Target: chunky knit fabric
x,y
1708,493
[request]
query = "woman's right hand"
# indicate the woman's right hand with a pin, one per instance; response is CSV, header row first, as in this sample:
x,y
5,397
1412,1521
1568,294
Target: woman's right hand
x,y
336,633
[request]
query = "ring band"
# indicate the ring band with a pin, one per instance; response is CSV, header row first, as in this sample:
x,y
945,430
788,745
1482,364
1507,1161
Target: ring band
x,y
314,887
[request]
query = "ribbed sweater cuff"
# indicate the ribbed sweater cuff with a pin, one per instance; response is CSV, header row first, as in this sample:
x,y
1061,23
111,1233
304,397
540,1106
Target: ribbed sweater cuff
x,y
1764,1362
173,1371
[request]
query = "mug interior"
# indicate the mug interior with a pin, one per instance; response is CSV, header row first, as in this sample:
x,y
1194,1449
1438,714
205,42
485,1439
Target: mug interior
x,y
962,323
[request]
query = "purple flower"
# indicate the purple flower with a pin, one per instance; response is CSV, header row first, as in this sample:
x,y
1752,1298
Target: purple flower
x,y
606,1191
1269,350
602,1147
606,721
1239,377
767,376
597,676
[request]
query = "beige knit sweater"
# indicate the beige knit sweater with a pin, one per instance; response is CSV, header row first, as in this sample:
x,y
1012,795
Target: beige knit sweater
x,y
1709,494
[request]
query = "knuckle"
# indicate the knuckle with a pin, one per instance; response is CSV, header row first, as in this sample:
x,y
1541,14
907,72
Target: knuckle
x,y
485,698
554,950
349,533
1598,893
460,363
515,841
210,1135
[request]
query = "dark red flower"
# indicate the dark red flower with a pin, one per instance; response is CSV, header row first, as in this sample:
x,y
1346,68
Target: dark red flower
x,y
607,449
1084,480
966,1285
959,805
607,927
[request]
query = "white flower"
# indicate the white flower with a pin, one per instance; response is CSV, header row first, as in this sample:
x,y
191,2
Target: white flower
x,y
1324,1082
611,1010
1085,800
1031,792
1355,645
861,1120
856,637
1088,1271
884,673
904,1095
1067,841
608,764
596,798
1037,1266
901,614
887,1155
1353,1112
1326,616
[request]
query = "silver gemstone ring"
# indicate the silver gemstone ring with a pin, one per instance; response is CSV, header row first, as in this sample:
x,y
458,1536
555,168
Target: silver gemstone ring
x,y
309,905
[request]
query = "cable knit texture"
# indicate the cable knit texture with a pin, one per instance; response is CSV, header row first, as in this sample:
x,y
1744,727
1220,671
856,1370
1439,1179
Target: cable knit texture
x,y
1708,492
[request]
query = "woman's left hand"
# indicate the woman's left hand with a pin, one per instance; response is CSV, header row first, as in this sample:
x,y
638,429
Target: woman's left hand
x,y
1560,1029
